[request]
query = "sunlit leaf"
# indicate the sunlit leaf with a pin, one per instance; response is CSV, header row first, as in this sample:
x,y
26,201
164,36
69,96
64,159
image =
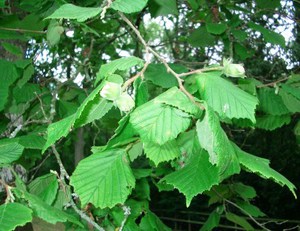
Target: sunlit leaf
x,y
104,179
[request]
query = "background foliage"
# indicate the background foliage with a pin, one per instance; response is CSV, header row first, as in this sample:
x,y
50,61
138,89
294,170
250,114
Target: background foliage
x,y
169,141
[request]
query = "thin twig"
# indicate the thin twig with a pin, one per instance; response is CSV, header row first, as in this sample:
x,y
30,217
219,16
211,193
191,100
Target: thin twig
x,y
23,30
201,71
132,79
273,83
241,209
64,175
63,172
165,63
9,196
127,212
161,59
41,106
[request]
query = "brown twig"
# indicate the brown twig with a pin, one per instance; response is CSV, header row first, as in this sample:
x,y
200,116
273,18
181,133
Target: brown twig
x,y
23,30
273,83
64,175
161,59
140,74
9,195
164,62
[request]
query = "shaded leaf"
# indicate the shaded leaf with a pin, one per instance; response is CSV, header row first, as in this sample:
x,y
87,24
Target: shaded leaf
x,y
47,212
269,36
212,221
216,28
271,103
261,167
151,222
271,122
291,102
57,130
45,187
239,220
201,38
158,75
10,151
251,209
7,77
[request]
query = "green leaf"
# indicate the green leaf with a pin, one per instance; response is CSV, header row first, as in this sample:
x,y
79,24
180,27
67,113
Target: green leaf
x,y
151,222
141,92
89,108
45,187
142,190
70,11
13,49
57,130
239,220
158,123
94,110
291,102
188,142
178,99
216,28
201,38
197,176
124,133
2,3
27,74
104,179
272,122
140,173
269,36
261,167
239,35
291,90
163,8
129,6
54,32
48,213
212,221
268,4
41,225
32,141
10,151
7,77
225,98
271,103
158,75
160,153
121,64
13,215
251,209
244,191
214,140
135,151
